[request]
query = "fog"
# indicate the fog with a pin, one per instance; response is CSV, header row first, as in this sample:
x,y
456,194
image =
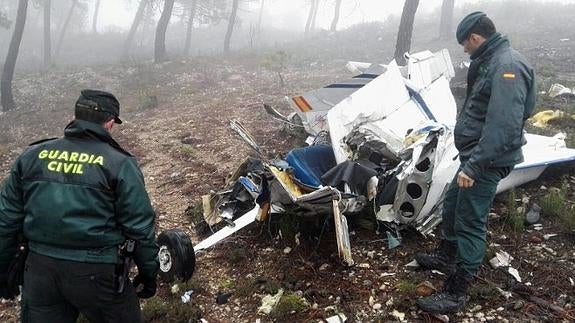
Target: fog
x,y
282,27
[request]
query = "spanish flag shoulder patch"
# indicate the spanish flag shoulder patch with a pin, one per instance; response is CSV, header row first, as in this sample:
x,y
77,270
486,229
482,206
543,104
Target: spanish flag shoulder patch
x,y
509,75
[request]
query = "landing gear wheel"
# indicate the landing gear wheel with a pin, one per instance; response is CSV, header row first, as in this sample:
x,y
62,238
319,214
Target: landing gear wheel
x,y
176,256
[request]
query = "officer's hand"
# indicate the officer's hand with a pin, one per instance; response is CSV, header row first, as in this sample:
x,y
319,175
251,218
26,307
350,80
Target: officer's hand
x,y
148,288
464,181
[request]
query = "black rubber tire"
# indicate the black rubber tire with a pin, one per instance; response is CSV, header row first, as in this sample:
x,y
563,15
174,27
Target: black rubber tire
x,y
176,256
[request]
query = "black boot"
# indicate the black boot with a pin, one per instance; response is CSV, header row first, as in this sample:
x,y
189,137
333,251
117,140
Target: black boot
x,y
442,259
452,299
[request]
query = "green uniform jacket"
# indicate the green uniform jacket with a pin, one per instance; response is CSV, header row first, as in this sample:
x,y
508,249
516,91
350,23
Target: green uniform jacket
x,y
500,97
78,198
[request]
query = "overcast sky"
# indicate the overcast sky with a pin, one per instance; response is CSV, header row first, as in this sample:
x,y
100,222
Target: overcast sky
x,y
287,13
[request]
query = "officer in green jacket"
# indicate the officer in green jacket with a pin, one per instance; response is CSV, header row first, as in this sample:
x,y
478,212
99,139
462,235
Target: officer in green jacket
x,y
488,135
76,200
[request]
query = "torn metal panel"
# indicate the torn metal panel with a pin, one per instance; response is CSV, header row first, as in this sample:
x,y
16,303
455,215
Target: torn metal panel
x,y
342,235
227,231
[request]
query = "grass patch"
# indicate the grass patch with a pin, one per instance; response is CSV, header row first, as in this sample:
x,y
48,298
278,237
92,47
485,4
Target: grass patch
x,y
188,151
249,287
237,255
288,304
406,287
483,291
195,212
171,310
556,204
226,284
515,218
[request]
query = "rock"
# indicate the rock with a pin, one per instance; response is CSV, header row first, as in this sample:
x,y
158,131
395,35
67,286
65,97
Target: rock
x,y
518,305
364,265
323,267
533,215
476,308
371,254
425,288
376,306
371,301
287,250
535,239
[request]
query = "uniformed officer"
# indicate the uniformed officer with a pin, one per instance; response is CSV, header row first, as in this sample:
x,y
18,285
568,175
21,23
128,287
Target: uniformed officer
x,y
76,200
488,135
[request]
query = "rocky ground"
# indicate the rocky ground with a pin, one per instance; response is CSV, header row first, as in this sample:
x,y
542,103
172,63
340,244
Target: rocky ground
x,y
176,123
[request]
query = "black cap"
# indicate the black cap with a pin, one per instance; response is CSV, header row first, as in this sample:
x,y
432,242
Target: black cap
x,y
465,26
100,101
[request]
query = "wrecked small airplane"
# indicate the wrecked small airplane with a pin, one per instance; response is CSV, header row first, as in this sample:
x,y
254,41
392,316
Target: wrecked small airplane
x,y
382,139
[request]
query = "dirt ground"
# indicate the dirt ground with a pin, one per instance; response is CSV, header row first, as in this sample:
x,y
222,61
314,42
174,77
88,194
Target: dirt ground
x,y
176,124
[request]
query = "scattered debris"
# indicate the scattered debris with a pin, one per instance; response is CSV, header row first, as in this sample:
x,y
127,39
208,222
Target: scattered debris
x,y
339,318
187,297
549,236
269,302
398,315
541,119
392,241
538,226
222,298
503,259
557,89
514,272
504,293
412,264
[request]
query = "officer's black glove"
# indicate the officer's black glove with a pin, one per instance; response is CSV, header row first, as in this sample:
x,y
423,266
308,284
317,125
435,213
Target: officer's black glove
x,y
148,286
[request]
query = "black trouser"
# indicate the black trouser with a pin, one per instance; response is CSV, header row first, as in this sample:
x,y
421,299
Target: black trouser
x,y
57,290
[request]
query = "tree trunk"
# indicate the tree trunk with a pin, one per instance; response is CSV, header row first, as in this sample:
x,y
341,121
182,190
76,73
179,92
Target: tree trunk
x,y
314,16
190,26
95,18
310,16
260,17
160,42
231,24
47,33
403,44
335,16
446,22
7,99
64,27
134,27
